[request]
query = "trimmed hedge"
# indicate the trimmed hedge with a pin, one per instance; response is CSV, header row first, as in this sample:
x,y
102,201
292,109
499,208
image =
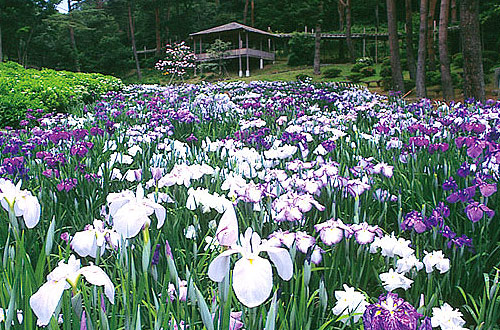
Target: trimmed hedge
x,y
49,90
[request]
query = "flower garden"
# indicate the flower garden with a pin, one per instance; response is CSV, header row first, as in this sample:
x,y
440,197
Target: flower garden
x,y
267,205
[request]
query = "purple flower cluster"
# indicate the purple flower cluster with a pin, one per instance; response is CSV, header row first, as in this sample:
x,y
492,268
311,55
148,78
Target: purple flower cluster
x,y
255,138
390,313
67,184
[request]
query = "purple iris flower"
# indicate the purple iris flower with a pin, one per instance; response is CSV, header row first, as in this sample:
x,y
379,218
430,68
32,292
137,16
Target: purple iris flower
x,y
461,241
390,313
414,220
486,189
476,149
156,255
435,220
447,232
67,184
462,195
463,170
450,184
192,138
443,210
475,211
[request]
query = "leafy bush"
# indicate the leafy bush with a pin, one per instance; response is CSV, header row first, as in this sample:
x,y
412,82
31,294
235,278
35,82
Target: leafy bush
x,y
301,50
457,60
488,64
409,84
385,71
368,71
355,77
490,58
49,90
358,66
433,78
492,55
332,72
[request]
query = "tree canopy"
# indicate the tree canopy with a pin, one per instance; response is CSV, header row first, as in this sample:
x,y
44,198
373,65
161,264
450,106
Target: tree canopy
x,y
34,33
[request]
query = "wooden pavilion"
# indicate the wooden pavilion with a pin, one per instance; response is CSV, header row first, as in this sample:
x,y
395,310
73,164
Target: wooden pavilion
x,y
246,42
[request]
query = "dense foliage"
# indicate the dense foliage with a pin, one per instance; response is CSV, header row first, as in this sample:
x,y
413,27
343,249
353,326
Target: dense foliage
x,y
371,211
44,91
34,34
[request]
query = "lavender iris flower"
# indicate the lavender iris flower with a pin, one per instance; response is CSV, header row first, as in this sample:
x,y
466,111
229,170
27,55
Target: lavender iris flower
x,y
475,211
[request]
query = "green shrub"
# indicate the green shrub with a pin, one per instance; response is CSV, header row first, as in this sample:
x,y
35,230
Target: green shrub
x,y
457,60
355,77
433,78
386,71
488,64
358,66
332,72
49,90
368,71
387,83
492,55
409,84
301,50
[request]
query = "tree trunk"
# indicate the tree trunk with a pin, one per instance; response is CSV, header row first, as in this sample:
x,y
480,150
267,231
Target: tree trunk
x,y
410,56
431,54
72,38
157,30
454,17
245,12
397,74
132,35
252,12
340,10
317,50
471,48
348,38
377,19
26,48
444,60
420,79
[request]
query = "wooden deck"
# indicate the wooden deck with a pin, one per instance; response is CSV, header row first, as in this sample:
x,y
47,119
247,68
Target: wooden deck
x,y
236,53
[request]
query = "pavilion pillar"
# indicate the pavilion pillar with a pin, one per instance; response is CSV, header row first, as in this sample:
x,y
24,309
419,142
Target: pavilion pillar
x,y
201,51
240,72
248,57
261,59
195,60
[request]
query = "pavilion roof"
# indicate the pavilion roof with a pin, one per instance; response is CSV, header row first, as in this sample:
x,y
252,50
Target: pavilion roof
x,y
233,26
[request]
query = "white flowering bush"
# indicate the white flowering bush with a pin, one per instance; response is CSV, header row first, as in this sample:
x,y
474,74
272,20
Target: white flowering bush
x,y
178,59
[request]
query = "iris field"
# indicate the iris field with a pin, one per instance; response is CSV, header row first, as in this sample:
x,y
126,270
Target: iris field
x,y
268,205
